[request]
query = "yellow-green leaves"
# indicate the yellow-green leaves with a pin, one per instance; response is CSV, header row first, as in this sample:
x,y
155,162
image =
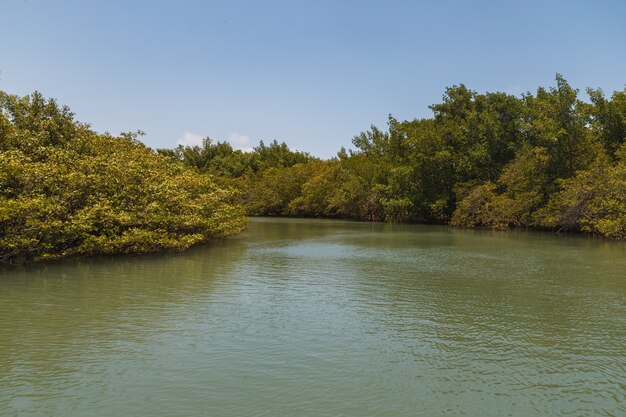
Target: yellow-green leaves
x,y
65,190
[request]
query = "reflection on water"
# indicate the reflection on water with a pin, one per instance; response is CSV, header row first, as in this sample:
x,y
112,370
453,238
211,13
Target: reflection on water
x,y
313,317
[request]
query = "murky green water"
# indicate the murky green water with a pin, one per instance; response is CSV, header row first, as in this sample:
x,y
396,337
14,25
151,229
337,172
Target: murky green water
x,y
323,318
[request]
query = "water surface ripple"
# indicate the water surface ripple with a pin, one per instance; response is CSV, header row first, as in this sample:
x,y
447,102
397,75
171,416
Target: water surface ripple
x,y
323,318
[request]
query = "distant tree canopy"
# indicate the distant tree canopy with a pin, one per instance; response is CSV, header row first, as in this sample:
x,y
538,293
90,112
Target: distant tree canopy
x,y
66,190
219,158
546,160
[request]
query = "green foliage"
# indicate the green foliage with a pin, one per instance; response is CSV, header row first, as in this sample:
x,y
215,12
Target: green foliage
x,y
543,160
67,191
314,198
608,119
477,207
397,210
593,201
523,184
557,120
274,189
219,158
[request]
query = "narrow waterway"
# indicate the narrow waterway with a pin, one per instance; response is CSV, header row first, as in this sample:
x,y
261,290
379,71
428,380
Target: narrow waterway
x,y
323,318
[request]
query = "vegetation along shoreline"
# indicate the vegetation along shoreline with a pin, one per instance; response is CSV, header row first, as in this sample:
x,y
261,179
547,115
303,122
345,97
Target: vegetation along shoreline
x,y
548,161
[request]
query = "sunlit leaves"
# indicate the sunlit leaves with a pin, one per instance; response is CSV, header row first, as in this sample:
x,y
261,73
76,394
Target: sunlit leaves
x,y
65,190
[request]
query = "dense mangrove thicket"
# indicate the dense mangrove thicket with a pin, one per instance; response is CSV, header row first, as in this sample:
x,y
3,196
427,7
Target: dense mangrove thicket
x,y
543,160
66,190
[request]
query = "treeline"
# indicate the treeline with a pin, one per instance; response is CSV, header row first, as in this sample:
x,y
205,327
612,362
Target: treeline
x,y
547,160
67,191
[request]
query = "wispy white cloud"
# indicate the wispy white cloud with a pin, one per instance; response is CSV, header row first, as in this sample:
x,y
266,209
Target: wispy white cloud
x,y
239,141
190,139
514,90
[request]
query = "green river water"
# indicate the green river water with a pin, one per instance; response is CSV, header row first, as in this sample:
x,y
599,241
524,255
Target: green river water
x,y
323,318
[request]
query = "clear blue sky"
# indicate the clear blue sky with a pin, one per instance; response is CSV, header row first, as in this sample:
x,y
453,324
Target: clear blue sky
x,y
311,73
